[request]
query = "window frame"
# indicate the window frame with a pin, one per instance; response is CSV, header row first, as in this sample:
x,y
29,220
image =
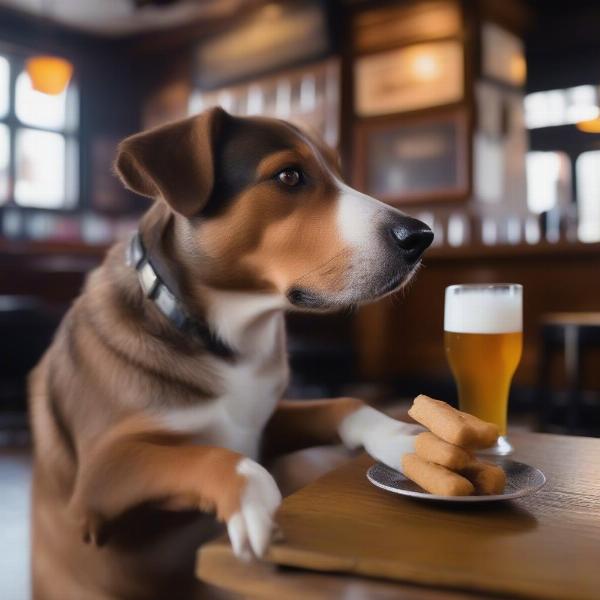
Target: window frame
x,y
71,132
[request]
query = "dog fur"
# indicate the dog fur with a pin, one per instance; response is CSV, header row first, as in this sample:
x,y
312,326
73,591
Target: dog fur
x,y
145,439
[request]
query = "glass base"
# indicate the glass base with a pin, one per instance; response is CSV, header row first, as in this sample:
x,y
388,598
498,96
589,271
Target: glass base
x,y
501,448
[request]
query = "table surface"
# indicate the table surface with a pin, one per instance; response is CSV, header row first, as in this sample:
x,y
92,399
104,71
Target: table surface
x,y
544,546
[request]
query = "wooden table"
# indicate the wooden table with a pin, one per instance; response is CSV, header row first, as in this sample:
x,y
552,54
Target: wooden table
x,y
543,546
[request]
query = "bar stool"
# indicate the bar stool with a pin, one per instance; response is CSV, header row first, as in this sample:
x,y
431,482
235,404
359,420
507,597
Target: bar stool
x,y
574,334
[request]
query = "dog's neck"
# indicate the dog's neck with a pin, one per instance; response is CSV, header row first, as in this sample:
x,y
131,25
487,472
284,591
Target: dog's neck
x,y
248,322
155,287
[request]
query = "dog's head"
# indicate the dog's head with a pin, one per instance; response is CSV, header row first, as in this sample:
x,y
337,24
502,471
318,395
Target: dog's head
x,y
260,206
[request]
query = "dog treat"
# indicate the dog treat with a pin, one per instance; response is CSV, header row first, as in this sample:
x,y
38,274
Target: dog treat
x,y
453,426
487,478
435,450
434,478
486,433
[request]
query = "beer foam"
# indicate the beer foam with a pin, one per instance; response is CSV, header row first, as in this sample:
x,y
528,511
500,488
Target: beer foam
x,y
483,309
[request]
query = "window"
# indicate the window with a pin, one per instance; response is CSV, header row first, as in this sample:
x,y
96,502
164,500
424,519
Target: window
x,y
587,168
562,107
4,78
548,180
38,141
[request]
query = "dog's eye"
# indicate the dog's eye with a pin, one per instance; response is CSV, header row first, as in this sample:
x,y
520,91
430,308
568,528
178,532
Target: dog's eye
x,y
290,177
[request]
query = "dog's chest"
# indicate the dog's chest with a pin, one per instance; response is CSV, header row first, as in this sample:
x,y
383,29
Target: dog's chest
x,y
250,385
252,391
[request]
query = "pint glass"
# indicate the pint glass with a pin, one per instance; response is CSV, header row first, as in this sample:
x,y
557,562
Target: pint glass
x,y
483,339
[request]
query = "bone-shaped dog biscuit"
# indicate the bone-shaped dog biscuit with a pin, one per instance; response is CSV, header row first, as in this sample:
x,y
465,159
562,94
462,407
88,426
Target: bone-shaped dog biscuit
x,y
453,426
488,479
433,449
434,478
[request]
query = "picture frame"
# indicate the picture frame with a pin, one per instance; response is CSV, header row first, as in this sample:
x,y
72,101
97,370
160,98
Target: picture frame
x,y
414,159
414,77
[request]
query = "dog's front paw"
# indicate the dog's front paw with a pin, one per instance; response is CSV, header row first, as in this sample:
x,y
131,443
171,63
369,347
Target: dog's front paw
x,y
391,445
250,528
385,439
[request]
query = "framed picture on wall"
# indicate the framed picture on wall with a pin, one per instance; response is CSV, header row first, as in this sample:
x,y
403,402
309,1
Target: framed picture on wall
x,y
409,78
414,159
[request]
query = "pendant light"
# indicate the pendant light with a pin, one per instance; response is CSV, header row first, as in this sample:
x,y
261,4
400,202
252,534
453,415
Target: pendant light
x,y
49,74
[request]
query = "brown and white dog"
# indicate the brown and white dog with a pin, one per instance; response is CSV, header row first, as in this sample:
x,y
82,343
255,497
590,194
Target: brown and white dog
x,y
162,388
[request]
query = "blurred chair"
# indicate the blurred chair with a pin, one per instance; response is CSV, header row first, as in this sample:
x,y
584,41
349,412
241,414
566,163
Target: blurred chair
x,y
574,334
26,329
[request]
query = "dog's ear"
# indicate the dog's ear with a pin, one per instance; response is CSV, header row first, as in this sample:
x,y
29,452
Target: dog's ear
x,y
174,162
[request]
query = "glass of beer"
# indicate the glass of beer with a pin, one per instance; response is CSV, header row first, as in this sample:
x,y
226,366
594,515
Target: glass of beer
x,y
483,337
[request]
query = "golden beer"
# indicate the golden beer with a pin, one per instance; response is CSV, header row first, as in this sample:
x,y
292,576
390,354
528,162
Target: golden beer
x,y
483,338
483,365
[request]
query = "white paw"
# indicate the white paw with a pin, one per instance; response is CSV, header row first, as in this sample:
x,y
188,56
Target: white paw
x,y
390,446
384,438
251,527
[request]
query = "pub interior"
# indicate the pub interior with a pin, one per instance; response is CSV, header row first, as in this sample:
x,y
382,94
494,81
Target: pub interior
x,y
481,118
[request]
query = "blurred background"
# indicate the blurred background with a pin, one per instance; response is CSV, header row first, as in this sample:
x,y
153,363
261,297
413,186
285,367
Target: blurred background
x,y
480,117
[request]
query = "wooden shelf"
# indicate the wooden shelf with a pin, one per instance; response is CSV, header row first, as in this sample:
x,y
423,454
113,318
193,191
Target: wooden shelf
x,y
478,252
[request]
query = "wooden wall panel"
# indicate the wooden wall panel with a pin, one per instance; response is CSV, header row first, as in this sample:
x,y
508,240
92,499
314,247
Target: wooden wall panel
x,y
403,335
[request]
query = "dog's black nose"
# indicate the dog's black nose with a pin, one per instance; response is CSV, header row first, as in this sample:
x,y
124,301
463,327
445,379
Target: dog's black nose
x,y
412,236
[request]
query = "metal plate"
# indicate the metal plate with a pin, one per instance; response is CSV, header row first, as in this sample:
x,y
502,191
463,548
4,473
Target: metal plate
x,y
521,480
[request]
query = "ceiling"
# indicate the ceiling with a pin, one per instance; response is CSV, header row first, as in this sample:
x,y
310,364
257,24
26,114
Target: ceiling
x,y
126,17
